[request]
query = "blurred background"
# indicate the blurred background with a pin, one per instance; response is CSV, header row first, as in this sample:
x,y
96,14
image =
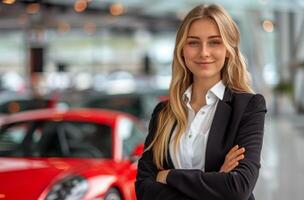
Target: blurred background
x,y
117,54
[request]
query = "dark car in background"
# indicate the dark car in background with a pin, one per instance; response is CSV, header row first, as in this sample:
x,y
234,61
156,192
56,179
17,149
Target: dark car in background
x,y
139,104
13,102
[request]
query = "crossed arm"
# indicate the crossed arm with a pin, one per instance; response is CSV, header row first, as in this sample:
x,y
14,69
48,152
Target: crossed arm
x,y
231,161
236,184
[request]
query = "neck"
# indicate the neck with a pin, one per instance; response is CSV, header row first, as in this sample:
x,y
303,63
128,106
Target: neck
x,y
200,88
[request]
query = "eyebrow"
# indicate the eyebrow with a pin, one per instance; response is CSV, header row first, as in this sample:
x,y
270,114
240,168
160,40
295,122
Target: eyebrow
x,y
210,37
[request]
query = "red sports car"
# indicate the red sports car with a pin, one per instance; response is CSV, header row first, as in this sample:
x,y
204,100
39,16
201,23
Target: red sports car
x,y
69,155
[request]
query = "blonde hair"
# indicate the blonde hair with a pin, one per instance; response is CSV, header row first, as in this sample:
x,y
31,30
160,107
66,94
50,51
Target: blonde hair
x,y
234,76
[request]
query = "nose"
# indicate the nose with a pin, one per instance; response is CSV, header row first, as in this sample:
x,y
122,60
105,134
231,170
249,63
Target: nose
x,y
204,51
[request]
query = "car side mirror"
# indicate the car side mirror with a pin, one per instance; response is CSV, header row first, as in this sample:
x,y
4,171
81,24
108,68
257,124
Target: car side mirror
x,y
137,152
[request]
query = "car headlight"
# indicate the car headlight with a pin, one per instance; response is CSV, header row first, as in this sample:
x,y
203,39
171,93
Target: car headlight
x,y
70,188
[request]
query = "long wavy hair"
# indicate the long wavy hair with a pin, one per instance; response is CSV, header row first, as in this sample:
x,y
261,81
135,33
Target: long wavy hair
x,y
234,75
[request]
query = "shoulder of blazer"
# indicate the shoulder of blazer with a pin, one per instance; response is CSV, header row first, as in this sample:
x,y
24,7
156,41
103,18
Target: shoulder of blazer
x,y
231,95
153,121
246,101
161,105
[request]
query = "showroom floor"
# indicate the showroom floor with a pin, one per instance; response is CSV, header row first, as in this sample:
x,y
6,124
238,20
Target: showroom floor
x,y
282,172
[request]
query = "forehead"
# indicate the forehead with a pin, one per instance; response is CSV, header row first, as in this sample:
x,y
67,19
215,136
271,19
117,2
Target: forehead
x,y
204,27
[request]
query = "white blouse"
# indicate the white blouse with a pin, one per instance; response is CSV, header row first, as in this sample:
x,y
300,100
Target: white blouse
x,y
192,146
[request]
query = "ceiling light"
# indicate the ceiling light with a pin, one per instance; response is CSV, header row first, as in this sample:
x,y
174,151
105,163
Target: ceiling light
x,y
33,8
8,1
116,9
80,5
268,26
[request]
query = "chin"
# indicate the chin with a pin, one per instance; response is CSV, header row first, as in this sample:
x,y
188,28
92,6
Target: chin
x,y
205,75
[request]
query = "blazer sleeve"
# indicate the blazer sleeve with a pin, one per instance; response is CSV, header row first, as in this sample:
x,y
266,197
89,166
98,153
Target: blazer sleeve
x,y
239,183
146,186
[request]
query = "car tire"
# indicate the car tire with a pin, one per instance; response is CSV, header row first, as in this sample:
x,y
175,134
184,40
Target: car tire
x,y
112,194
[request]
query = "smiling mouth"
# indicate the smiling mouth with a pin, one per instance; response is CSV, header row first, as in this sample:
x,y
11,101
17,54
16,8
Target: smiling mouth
x,y
204,63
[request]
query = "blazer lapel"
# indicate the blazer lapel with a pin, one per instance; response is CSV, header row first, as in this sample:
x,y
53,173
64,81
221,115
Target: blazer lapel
x,y
217,131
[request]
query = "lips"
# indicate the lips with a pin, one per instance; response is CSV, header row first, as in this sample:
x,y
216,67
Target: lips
x,y
204,62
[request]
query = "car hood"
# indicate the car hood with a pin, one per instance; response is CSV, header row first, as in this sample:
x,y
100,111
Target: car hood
x,y
27,178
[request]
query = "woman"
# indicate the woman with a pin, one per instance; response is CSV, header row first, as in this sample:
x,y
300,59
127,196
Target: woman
x,y
205,141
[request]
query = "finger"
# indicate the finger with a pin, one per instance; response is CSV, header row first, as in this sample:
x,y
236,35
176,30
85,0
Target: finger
x,y
232,150
240,157
230,168
233,160
237,153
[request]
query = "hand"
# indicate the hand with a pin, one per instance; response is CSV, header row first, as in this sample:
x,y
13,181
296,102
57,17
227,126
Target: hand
x,y
232,158
162,176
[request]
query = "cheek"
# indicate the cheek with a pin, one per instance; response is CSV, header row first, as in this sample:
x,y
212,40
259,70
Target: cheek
x,y
220,54
188,53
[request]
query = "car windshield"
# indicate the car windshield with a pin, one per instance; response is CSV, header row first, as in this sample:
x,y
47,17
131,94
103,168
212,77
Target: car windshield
x,y
56,139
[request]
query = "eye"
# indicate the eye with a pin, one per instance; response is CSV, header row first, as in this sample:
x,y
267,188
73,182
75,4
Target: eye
x,y
193,43
214,42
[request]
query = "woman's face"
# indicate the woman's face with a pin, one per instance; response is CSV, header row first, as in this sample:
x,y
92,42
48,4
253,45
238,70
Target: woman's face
x,y
204,52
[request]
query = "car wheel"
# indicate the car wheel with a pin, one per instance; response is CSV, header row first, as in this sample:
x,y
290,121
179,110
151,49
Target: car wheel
x,y
113,194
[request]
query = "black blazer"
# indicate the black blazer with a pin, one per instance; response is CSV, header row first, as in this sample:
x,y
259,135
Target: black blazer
x,y
239,119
